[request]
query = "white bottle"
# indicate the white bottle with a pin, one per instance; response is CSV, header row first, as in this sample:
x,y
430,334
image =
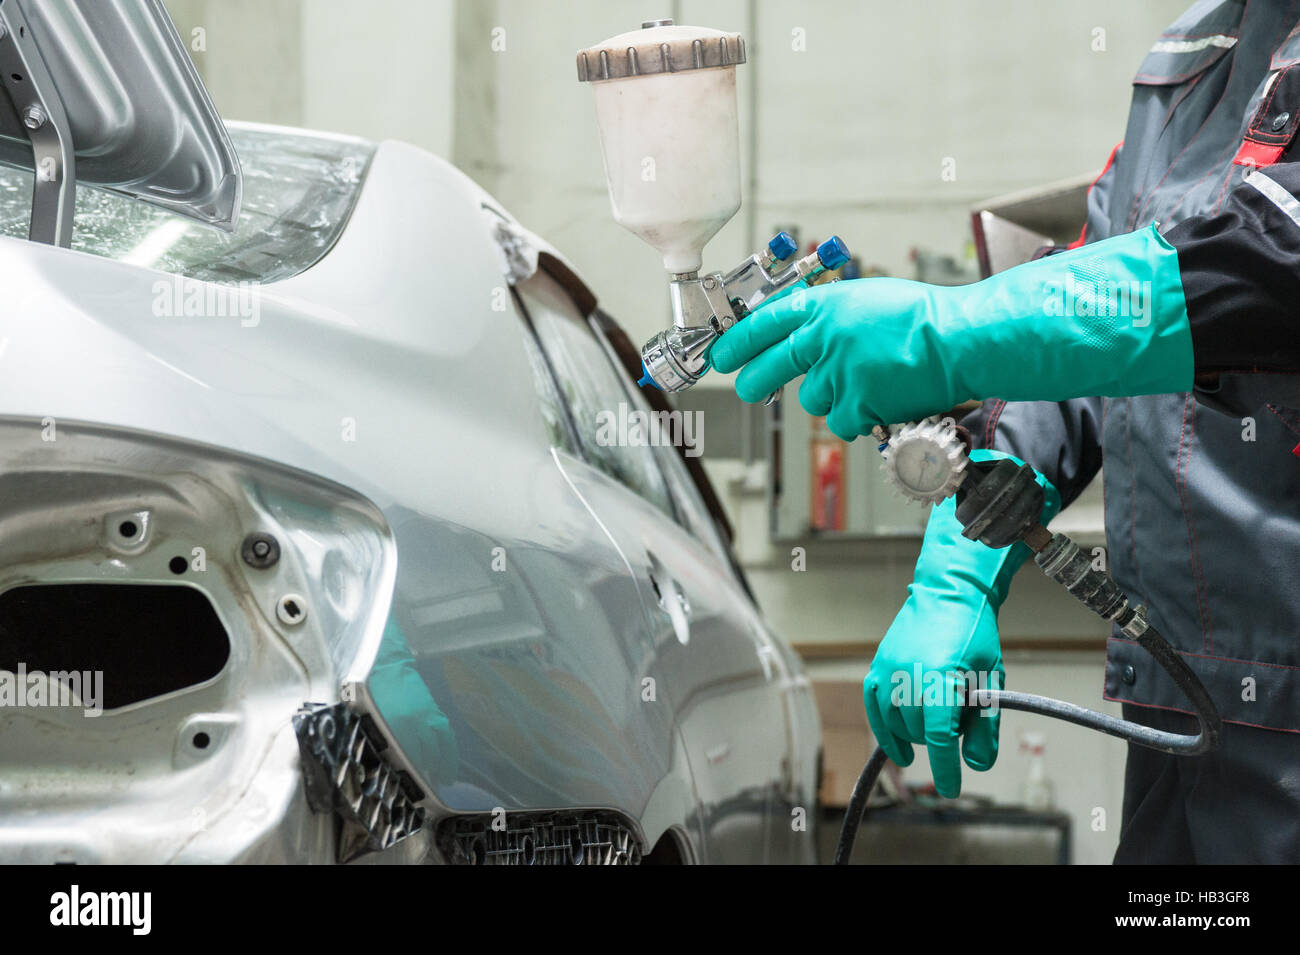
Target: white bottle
x,y
1039,794
666,110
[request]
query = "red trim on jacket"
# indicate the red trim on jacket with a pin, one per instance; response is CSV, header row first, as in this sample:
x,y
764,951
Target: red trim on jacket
x,y
1110,161
1256,154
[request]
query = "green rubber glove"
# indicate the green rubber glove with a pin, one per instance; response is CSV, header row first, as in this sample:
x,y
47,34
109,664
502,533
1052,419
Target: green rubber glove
x,y
1106,319
947,629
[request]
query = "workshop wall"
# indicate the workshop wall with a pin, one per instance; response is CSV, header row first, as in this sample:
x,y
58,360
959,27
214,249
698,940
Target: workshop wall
x,y
860,131
380,69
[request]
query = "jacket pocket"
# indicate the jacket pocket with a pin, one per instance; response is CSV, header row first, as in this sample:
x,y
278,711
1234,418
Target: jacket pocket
x,y
1192,44
1177,58
1182,54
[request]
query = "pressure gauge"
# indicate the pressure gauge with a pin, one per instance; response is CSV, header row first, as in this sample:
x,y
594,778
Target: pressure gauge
x,y
926,460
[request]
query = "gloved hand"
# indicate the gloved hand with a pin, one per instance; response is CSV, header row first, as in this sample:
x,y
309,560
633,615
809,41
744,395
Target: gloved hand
x,y
1106,319
947,629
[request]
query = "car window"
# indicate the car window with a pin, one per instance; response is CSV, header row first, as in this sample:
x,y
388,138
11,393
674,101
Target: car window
x,y
299,190
611,439
551,405
692,513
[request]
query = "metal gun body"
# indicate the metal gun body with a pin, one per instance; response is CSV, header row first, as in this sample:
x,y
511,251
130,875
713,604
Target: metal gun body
x,y
704,307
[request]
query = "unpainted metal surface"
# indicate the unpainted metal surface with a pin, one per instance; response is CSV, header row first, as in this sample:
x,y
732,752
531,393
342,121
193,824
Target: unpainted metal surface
x,y
386,369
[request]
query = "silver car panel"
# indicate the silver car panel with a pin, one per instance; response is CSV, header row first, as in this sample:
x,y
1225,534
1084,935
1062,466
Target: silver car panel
x,y
205,772
388,369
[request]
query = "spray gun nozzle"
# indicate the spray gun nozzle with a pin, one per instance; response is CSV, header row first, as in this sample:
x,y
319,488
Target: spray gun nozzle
x,y
645,378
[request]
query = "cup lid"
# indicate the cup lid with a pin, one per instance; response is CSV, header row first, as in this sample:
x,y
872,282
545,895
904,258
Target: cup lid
x,y
660,46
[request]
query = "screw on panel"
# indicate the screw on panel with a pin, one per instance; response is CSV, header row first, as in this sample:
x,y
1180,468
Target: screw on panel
x,y
260,550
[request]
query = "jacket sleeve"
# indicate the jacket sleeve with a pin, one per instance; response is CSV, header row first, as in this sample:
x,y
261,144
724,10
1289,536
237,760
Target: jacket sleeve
x,y
1240,269
1060,440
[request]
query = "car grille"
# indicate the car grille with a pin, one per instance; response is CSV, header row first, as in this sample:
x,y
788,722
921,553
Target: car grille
x,y
544,838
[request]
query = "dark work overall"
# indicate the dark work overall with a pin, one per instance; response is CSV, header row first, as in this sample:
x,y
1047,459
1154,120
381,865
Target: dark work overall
x,y
1202,490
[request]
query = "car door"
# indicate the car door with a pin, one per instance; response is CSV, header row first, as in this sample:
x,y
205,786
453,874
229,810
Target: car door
x,y
792,820
713,664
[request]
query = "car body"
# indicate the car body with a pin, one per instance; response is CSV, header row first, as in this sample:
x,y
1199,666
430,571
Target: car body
x,y
487,634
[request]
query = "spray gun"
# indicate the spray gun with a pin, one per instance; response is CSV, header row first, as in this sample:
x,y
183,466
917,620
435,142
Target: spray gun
x,y
666,110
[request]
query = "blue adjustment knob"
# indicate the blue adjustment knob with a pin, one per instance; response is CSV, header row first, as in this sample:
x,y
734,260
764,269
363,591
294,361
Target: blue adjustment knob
x,y
782,246
646,379
833,253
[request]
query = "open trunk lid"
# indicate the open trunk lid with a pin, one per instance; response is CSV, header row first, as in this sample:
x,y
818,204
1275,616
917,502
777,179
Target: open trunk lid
x,y
103,93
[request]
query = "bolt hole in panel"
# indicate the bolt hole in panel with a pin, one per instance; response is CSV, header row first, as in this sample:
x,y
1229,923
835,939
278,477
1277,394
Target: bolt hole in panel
x,y
146,640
